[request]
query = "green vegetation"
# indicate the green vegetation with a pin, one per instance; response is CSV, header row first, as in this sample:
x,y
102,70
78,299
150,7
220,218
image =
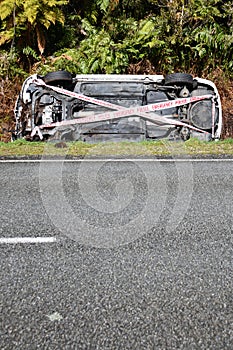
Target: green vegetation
x,y
145,148
107,36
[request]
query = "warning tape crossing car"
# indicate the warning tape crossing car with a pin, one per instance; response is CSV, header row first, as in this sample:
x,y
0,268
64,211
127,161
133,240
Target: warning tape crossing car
x,y
142,107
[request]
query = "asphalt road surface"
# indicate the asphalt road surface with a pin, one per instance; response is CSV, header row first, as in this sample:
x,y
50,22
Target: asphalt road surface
x,y
116,255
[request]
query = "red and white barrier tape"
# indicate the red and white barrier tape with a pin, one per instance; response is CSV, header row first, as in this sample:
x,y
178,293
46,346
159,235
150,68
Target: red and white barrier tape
x,y
121,112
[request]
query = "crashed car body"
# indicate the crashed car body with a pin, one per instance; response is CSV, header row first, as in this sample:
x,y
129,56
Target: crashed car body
x,y
100,107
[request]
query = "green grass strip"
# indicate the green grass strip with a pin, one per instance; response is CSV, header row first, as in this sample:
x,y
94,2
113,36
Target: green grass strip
x,y
192,147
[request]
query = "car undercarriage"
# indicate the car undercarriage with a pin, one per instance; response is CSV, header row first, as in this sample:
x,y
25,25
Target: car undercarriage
x,y
97,108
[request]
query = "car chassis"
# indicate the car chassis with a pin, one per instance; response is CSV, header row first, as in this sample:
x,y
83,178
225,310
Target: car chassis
x,y
99,107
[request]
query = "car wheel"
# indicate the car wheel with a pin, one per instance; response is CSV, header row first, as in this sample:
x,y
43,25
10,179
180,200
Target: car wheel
x,y
61,78
179,79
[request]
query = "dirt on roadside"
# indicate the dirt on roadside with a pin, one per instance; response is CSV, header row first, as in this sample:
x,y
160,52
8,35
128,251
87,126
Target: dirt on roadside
x,y
226,93
8,94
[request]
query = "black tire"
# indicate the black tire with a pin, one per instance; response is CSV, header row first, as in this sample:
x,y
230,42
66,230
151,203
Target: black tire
x,y
62,77
179,79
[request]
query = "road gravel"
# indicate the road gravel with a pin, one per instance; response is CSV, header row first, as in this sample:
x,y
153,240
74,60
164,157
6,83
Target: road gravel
x,y
169,287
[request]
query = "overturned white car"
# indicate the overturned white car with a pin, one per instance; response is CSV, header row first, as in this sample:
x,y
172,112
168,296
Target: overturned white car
x,y
96,108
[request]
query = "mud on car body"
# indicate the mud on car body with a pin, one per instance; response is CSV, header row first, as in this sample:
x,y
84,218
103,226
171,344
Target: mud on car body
x,y
96,108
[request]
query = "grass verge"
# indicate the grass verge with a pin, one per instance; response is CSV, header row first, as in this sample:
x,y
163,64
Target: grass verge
x,y
192,147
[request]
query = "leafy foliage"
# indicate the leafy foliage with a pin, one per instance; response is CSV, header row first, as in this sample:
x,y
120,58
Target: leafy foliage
x,y
106,36
20,18
101,52
9,67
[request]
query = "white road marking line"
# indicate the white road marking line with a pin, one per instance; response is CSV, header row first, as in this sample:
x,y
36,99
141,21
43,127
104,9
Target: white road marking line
x,y
86,160
20,240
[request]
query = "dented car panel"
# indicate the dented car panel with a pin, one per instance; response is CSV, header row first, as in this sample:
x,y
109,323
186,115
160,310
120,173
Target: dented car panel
x,y
96,108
